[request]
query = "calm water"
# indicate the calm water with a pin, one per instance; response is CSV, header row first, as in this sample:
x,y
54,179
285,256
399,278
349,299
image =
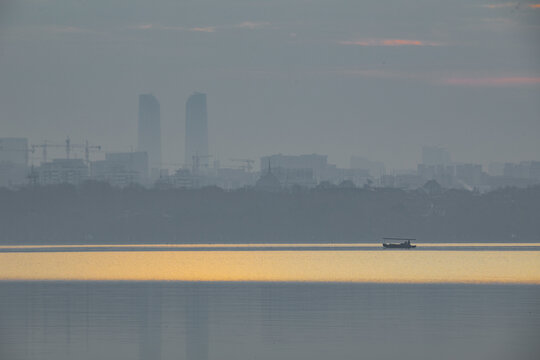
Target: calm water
x,y
361,307
171,320
429,263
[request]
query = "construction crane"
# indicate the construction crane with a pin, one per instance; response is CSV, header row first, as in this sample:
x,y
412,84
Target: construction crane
x,y
44,147
248,163
87,148
68,146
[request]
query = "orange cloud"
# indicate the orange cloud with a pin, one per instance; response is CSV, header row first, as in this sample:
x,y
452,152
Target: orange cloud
x,y
501,5
493,81
388,42
510,4
437,79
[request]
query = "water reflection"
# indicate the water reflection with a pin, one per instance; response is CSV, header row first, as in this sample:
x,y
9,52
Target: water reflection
x,y
227,321
196,323
150,302
273,319
476,265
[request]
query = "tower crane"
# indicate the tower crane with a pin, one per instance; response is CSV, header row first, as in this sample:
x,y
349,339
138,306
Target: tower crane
x,y
44,147
68,146
87,148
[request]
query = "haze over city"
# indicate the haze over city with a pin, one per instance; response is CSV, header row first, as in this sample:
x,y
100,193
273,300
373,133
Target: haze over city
x,y
371,79
269,179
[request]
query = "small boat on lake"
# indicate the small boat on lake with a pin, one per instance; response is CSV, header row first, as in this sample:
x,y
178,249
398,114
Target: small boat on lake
x,y
402,244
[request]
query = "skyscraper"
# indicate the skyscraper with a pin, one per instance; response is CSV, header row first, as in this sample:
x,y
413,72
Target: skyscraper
x,y
150,131
196,130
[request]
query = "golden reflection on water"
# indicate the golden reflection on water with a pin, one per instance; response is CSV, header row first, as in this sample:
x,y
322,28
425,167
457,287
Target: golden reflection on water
x,y
407,266
261,245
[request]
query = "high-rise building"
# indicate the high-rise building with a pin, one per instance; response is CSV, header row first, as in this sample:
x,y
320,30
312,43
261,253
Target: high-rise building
x,y
196,131
150,131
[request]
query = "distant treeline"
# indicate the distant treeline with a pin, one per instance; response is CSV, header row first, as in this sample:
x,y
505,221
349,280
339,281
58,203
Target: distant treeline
x,y
96,213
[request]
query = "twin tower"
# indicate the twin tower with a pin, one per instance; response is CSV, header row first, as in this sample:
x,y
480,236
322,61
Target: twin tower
x,y
196,136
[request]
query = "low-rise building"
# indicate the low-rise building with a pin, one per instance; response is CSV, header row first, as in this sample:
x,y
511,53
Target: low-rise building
x,y
181,179
318,164
63,171
122,169
13,161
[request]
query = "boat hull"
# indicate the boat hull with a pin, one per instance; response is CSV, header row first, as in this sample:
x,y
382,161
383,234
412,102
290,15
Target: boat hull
x,y
398,246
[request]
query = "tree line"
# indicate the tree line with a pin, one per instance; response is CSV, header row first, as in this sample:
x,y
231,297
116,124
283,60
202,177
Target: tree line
x,y
97,213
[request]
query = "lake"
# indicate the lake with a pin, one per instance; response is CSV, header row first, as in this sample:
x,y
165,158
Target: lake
x,y
310,301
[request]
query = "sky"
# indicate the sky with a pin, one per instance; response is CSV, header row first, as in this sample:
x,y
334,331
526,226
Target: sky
x,y
378,79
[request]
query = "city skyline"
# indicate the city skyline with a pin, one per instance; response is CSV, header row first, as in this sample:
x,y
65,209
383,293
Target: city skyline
x,y
121,169
370,85
269,179
34,155
182,156
150,109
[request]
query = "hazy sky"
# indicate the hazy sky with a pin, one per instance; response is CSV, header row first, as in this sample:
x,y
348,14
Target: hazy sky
x,y
372,78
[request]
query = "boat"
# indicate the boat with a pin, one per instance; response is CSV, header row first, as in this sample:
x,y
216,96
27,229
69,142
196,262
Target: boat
x,y
402,244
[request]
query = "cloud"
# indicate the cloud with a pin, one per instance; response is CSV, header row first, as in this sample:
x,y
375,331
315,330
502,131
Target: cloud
x,y
492,81
206,29
437,78
515,5
389,42
144,26
247,25
500,5
387,74
172,28
251,25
